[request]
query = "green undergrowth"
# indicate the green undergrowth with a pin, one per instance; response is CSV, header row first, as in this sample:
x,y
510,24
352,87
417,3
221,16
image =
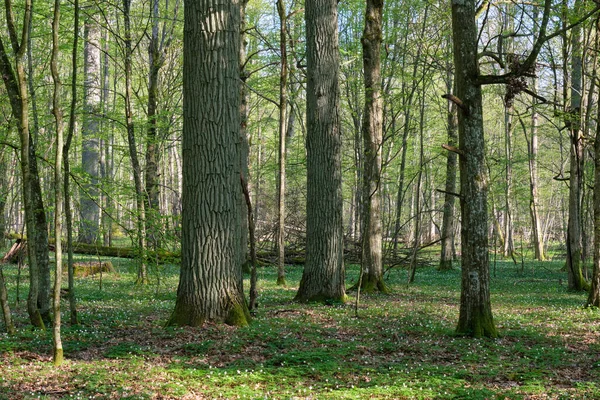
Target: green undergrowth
x,y
401,346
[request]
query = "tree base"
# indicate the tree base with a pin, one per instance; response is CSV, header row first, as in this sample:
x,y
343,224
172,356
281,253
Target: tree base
x,y
281,281
477,327
371,284
445,265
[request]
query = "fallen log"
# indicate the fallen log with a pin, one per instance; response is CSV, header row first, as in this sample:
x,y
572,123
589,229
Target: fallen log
x,y
162,256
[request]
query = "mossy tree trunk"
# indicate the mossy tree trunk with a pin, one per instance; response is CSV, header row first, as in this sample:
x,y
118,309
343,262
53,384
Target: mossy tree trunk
x,y
372,133
210,284
323,277
475,318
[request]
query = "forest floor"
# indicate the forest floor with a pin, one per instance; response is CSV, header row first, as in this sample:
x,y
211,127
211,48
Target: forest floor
x,y
400,347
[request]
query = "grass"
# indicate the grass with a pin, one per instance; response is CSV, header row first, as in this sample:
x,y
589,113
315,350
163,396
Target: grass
x,y
401,347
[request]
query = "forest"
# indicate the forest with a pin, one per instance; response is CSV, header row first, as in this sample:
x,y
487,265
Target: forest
x,y
300,199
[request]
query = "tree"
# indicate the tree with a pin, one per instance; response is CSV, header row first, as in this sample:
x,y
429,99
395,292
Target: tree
x,y
142,277
447,253
58,187
210,285
323,276
90,154
475,317
283,100
372,132
15,81
574,245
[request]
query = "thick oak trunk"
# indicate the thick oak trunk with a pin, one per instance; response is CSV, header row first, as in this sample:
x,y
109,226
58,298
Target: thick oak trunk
x,y
210,285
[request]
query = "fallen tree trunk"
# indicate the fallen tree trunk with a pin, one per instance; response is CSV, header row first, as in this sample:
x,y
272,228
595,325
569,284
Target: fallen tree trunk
x,y
160,255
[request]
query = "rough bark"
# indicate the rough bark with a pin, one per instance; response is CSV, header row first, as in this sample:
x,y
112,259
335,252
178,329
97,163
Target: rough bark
x,y
211,285
57,353
90,155
372,133
323,277
475,317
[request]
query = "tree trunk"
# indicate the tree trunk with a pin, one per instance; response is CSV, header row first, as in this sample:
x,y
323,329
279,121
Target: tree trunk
x,y
89,204
324,275
57,356
283,76
574,251
142,276
211,285
594,293
475,318
447,233
15,82
372,132
10,328
66,181
4,190
532,146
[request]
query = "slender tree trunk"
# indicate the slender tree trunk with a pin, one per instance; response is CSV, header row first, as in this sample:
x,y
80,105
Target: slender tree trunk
x,y
245,143
574,251
15,82
475,317
4,191
67,169
509,246
324,275
58,187
532,146
283,77
211,285
450,188
89,199
142,277
372,132
41,242
594,293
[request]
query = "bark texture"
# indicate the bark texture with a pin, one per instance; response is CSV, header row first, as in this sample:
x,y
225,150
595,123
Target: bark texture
x,y
323,277
372,133
210,285
475,318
